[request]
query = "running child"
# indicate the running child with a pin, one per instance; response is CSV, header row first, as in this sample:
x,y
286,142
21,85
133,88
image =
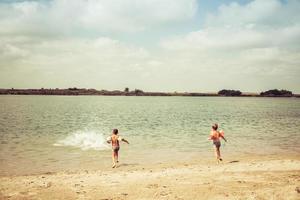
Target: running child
x,y
115,140
215,136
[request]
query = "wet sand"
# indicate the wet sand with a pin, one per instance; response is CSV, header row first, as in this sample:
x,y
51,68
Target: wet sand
x,y
246,178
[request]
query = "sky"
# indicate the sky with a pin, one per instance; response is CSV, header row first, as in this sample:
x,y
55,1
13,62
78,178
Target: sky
x,y
153,45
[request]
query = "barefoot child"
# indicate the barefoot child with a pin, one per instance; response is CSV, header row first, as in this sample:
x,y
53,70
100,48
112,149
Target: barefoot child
x,y
115,140
215,136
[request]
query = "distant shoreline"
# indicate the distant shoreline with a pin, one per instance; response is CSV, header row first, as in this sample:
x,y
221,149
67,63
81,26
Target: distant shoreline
x,y
94,92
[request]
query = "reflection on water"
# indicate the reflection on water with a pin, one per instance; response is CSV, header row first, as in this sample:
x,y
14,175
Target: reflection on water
x,y
52,133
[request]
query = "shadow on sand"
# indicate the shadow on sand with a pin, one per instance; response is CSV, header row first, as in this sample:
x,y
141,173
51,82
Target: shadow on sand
x,y
127,164
234,161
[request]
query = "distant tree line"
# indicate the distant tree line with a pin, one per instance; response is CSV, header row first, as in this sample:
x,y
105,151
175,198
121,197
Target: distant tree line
x,y
268,93
139,92
276,92
229,93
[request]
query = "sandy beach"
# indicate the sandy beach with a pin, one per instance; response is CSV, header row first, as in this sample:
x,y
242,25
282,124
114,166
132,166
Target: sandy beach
x,y
245,178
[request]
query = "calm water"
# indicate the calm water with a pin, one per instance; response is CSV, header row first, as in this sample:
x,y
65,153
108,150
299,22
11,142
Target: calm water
x,y
54,133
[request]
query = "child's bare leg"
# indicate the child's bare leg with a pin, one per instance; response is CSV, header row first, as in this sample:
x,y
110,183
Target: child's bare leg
x,y
117,156
216,153
219,154
113,159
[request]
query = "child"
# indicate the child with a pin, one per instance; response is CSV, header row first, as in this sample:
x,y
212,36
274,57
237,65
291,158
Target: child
x,y
114,139
215,137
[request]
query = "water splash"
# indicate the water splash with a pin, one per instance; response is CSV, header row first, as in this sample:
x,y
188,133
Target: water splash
x,y
84,140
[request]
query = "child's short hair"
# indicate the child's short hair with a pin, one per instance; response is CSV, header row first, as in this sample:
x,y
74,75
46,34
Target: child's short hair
x,y
215,127
115,131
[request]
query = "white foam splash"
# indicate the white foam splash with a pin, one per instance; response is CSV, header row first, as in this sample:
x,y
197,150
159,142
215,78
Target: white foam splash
x,y
85,140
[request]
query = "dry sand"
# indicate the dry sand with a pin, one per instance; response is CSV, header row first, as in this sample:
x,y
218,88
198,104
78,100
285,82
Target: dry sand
x,y
251,178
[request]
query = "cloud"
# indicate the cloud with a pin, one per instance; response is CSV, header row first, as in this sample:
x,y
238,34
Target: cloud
x,y
99,63
63,43
236,38
257,45
71,17
238,27
258,13
251,47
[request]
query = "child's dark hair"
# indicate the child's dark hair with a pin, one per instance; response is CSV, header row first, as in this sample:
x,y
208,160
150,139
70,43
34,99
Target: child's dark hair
x,y
215,127
115,131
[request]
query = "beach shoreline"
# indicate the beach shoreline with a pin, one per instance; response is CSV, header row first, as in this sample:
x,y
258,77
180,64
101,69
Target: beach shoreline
x,y
252,177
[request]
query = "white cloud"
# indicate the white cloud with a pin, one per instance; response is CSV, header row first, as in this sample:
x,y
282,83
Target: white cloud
x,y
64,43
259,42
259,24
236,38
99,63
261,13
98,16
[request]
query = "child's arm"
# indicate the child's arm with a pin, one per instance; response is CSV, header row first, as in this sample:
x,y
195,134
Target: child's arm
x,y
224,138
108,140
125,140
210,137
222,135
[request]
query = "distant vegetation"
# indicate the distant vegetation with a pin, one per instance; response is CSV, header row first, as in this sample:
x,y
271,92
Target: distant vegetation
x,y
74,88
276,93
229,93
139,92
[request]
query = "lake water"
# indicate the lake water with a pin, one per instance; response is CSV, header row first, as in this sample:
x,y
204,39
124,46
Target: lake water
x,y
54,133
